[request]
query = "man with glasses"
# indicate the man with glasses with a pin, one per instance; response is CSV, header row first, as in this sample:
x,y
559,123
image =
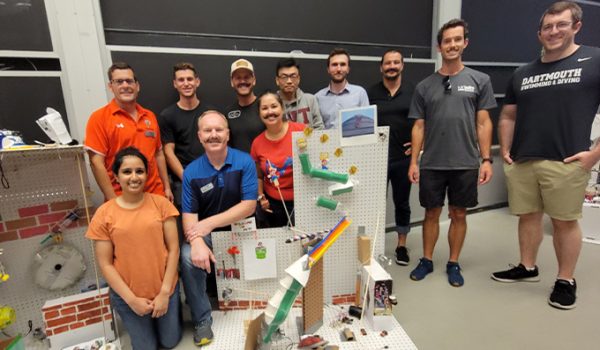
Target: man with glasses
x,y
299,106
544,129
123,123
244,122
339,94
450,108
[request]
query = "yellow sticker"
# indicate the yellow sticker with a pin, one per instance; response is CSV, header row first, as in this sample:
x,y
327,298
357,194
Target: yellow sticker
x,y
353,170
323,155
302,144
324,138
308,131
338,152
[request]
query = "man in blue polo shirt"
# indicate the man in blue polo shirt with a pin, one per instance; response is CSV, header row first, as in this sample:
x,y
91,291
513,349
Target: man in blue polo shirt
x,y
219,188
339,94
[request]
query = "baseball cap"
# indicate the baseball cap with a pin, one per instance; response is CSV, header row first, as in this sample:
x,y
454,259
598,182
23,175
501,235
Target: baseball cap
x,y
241,63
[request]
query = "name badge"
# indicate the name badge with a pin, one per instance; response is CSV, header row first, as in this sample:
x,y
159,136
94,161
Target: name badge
x,y
206,187
150,133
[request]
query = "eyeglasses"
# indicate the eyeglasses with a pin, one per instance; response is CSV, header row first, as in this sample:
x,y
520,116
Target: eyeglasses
x,y
285,77
559,26
447,84
121,81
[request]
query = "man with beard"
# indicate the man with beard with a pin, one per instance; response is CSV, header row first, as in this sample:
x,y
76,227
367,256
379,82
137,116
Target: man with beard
x,y
452,119
299,106
544,129
340,94
123,123
179,125
244,122
219,188
392,97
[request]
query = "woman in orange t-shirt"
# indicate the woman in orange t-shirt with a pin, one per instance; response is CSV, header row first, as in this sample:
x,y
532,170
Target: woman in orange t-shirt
x,y
272,152
137,249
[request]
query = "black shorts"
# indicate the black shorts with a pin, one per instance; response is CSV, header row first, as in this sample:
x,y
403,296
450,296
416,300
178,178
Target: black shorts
x,y
460,184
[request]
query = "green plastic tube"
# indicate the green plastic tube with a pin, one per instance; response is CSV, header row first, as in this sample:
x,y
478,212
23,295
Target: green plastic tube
x,y
305,162
327,203
329,175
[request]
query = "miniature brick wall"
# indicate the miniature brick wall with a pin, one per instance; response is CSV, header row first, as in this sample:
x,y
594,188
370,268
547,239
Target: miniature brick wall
x,y
76,313
38,220
241,304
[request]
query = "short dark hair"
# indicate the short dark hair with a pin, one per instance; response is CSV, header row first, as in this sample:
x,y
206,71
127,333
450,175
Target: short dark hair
x,y
390,51
457,22
560,6
338,51
128,152
184,66
287,62
119,65
269,92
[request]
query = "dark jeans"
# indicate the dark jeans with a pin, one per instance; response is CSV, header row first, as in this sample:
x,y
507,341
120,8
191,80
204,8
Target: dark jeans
x,y
149,333
398,176
278,217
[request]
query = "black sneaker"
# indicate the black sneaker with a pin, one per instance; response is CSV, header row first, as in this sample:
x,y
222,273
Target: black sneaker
x,y
563,295
203,333
517,274
402,256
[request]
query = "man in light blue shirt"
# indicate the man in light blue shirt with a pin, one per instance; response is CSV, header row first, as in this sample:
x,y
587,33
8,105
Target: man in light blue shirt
x,y
339,94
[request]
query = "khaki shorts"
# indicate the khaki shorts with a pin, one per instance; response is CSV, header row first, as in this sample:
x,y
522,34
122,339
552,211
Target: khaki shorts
x,y
546,186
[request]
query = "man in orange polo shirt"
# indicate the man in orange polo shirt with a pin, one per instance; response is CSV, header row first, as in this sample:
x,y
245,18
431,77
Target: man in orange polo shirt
x,y
122,123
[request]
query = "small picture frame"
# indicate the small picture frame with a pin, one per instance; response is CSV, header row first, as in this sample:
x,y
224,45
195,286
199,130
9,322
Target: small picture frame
x,y
358,126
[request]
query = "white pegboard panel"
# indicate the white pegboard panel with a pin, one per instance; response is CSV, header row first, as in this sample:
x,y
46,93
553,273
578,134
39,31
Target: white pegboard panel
x,y
21,293
229,332
365,205
40,176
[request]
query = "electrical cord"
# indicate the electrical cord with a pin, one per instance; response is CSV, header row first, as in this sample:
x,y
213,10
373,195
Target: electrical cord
x,y
3,178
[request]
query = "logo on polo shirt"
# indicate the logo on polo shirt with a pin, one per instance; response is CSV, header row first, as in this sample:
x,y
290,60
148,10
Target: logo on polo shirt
x,y
234,114
120,126
147,123
466,88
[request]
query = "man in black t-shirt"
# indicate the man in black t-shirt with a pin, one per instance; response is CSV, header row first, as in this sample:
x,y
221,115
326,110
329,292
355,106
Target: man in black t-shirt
x,y
179,125
244,122
544,133
392,97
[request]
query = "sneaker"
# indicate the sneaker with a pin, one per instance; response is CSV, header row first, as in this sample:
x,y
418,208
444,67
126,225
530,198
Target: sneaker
x,y
563,295
517,274
424,268
454,277
402,256
203,333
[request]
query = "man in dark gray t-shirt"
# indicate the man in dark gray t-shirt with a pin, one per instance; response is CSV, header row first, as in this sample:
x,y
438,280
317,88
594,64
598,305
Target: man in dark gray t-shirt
x,y
453,128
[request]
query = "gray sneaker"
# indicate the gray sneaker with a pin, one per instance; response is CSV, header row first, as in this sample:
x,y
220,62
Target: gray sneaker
x,y
203,333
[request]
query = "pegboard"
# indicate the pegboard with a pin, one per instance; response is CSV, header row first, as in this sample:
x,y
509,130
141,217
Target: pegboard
x,y
39,176
364,205
229,332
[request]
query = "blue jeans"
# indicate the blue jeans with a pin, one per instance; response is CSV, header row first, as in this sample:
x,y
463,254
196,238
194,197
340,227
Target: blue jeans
x,y
149,333
194,284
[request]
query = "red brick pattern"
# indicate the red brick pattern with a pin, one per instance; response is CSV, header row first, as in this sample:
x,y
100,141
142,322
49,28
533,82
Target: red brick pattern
x,y
343,299
39,220
76,314
247,304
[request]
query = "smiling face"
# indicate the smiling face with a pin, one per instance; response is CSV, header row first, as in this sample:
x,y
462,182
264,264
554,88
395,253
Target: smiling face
x,y
270,111
124,86
557,32
243,81
132,175
338,68
453,43
186,82
213,132
391,66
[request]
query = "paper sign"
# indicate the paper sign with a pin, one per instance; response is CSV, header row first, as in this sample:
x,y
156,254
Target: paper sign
x,y
244,225
260,258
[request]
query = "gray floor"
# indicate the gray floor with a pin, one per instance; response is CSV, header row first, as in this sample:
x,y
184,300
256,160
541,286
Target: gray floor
x,y
484,314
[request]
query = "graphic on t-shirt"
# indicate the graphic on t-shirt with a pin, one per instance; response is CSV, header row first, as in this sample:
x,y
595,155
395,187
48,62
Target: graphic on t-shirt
x,y
274,172
566,76
234,114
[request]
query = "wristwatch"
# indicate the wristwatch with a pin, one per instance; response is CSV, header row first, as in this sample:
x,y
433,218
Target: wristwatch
x,y
491,160
260,197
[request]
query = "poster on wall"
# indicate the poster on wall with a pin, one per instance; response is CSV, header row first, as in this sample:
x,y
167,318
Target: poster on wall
x,y
260,258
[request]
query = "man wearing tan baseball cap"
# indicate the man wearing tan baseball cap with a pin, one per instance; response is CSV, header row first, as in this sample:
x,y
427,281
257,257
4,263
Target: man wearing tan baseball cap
x,y
244,122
